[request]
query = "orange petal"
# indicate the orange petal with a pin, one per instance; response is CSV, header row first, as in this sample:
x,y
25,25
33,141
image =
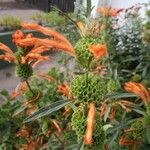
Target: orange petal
x,y
46,31
98,50
5,48
90,124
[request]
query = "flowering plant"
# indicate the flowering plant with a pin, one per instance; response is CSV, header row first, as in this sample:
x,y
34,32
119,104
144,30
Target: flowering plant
x,y
94,110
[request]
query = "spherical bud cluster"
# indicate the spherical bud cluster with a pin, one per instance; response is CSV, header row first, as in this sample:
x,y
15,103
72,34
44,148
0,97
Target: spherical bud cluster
x,y
147,116
136,78
138,131
113,86
24,71
88,88
79,122
83,53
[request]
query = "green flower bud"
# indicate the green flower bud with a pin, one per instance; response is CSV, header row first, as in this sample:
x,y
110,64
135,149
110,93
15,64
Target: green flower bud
x,y
79,122
24,71
139,132
88,88
136,78
113,86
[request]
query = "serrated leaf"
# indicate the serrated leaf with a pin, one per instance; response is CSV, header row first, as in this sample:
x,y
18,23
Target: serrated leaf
x,y
121,95
47,110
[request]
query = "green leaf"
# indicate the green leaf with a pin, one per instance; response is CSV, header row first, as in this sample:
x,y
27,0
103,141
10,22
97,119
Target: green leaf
x,y
80,145
121,95
108,108
148,134
113,138
19,110
47,110
107,126
4,93
139,111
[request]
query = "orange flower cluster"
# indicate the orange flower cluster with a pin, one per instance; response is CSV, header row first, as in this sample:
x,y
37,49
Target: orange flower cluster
x,y
109,11
126,105
90,124
56,39
99,50
34,55
36,46
31,144
138,89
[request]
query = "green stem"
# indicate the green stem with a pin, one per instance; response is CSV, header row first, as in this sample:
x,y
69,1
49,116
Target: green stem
x,y
87,74
29,87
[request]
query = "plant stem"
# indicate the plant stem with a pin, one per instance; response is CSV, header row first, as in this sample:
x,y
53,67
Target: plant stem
x,y
29,87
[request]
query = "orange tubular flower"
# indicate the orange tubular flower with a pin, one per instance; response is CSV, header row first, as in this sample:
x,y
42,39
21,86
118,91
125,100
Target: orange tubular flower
x,y
98,50
138,89
113,114
103,109
128,106
108,11
58,41
24,132
57,126
64,89
8,54
45,76
90,124
17,36
20,90
125,141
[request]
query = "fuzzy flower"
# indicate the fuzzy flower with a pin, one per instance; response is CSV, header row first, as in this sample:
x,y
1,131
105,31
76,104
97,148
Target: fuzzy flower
x,y
108,11
99,50
138,89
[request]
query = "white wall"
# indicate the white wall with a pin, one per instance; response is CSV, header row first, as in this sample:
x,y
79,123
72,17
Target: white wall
x,y
95,4
126,3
